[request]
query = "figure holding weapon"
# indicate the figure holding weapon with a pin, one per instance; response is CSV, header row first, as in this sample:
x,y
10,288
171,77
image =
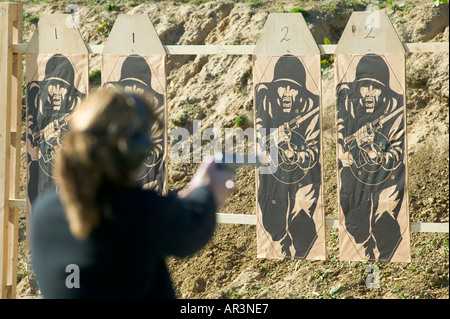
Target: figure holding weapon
x,y
370,131
288,198
50,103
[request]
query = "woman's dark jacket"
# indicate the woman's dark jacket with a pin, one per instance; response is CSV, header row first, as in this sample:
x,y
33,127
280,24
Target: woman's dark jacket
x,y
124,256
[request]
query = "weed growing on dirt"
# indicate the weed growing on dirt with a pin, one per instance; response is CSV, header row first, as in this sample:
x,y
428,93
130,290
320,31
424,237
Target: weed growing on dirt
x,y
240,120
180,120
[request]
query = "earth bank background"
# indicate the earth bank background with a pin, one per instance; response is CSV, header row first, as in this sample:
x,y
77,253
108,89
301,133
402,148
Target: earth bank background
x,y
218,90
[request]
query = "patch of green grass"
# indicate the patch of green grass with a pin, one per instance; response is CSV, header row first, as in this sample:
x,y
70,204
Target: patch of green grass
x,y
300,10
192,108
111,6
240,120
31,18
445,246
330,5
396,288
231,295
198,1
105,25
38,1
335,238
352,3
322,273
333,293
180,120
437,3
325,63
95,78
393,6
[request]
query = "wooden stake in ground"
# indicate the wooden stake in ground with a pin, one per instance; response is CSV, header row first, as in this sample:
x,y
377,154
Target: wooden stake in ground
x,y
371,141
11,20
286,74
134,58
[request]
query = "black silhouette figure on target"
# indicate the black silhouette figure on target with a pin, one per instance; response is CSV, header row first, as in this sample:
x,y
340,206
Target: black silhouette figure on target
x,y
371,146
50,103
136,76
288,197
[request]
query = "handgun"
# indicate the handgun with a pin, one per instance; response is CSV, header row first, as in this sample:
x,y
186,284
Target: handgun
x,y
234,161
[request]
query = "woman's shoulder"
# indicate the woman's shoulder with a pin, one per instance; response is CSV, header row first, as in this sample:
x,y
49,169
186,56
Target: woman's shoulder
x,y
46,204
45,199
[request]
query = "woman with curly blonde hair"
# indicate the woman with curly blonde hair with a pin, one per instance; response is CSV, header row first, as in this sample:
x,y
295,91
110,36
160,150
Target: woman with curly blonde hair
x,y
113,234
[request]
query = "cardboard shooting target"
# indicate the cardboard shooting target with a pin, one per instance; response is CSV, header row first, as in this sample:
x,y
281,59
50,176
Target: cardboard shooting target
x,y
286,73
56,81
135,60
371,141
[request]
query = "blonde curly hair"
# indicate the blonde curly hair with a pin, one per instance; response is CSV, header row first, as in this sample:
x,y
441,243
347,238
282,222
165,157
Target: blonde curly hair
x,y
98,153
